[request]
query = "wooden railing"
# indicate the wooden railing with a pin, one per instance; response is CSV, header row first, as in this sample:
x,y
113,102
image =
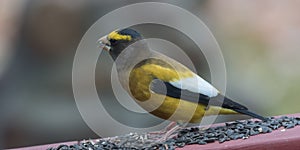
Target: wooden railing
x,y
283,139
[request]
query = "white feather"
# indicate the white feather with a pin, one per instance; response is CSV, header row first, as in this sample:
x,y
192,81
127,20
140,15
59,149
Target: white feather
x,y
197,85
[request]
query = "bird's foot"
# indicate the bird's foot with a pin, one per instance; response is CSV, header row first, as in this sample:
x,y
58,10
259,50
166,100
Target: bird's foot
x,y
169,132
203,128
165,130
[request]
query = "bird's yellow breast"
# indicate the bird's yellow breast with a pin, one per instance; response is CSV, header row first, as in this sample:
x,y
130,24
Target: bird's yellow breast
x,y
141,77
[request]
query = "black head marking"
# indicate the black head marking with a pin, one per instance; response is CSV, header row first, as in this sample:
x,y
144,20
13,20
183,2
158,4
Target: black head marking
x,y
128,31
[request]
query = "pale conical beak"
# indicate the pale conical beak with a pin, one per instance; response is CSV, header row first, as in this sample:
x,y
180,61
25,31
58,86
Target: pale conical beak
x,y
104,43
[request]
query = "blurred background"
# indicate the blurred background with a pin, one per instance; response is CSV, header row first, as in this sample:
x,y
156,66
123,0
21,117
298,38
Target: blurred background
x,y
38,40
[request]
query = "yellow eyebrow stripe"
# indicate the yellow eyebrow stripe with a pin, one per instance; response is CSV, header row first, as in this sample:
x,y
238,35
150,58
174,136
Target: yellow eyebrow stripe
x,y
116,36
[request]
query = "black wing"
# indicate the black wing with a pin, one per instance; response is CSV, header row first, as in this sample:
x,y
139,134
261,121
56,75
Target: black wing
x,y
165,88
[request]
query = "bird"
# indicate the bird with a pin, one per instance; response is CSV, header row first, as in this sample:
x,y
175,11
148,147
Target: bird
x,y
177,93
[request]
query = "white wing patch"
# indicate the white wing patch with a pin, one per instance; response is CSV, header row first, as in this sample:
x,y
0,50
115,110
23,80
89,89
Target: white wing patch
x,y
197,85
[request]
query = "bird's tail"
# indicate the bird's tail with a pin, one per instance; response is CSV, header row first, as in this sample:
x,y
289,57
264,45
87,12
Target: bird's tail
x,y
249,113
230,104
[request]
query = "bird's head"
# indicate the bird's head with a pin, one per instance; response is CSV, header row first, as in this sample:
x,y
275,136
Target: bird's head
x,y
116,41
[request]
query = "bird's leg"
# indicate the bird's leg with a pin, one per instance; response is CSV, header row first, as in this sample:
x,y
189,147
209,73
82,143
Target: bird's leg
x,y
166,133
203,128
166,129
170,133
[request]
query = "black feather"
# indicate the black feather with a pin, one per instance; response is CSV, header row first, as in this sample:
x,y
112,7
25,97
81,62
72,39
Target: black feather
x,y
167,89
249,113
128,31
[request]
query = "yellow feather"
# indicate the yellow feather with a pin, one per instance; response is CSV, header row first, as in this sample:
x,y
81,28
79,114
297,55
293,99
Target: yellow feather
x,y
140,79
182,110
116,36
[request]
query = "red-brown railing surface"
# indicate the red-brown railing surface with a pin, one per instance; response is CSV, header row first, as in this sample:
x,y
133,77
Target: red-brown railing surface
x,y
283,139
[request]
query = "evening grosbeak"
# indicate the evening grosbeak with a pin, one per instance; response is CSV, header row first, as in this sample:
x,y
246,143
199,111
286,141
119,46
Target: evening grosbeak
x,y
163,86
